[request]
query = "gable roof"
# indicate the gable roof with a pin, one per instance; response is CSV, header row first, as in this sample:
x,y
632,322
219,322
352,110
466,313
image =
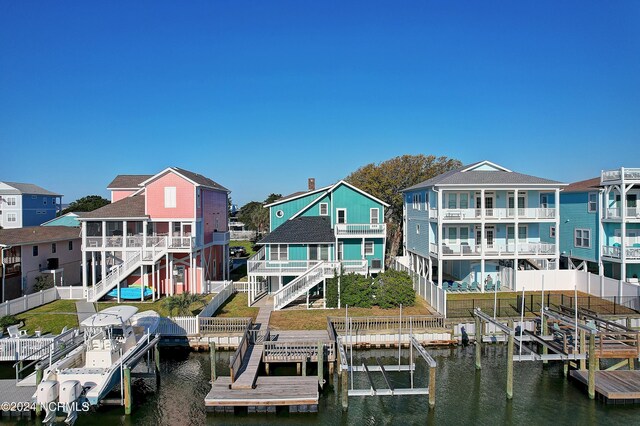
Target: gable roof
x,y
195,178
37,235
468,175
28,188
128,208
584,185
312,229
295,195
128,181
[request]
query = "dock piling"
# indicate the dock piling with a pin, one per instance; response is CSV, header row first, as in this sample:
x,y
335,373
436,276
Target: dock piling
x,y
592,366
510,362
583,349
38,380
212,357
478,343
345,390
432,386
321,364
127,391
545,350
304,366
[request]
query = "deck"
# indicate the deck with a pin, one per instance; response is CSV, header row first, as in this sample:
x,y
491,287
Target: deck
x,y
614,385
291,391
247,377
11,393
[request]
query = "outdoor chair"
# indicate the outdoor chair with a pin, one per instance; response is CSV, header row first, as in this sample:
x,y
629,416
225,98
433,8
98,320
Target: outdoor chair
x,y
474,286
498,286
15,333
454,287
488,287
464,286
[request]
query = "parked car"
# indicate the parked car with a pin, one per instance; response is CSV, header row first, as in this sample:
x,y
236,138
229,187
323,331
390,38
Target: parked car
x,y
237,251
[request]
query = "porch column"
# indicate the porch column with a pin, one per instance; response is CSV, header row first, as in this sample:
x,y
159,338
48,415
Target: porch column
x,y
430,270
84,254
171,276
482,280
190,287
557,224
84,268
623,227
144,234
142,283
516,223
153,280
93,269
201,272
166,274
103,264
440,272
124,234
483,244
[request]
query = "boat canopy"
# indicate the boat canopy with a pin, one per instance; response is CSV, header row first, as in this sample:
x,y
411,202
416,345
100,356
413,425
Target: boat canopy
x,y
115,315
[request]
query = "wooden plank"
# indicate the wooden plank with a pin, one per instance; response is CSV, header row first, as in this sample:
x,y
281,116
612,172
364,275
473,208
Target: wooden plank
x,y
247,378
269,391
614,384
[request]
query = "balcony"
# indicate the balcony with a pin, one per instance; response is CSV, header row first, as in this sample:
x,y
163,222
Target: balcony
x,y
458,215
260,266
525,249
615,252
221,238
359,230
610,176
138,241
615,213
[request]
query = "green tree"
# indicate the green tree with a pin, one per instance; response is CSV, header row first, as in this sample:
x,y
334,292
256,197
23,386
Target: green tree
x,y
181,304
385,181
43,282
86,204
255,216
394,288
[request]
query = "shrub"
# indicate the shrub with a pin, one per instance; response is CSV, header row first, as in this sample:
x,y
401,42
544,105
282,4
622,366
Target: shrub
x,y
357,291
43,282
8,320
394,288
182,303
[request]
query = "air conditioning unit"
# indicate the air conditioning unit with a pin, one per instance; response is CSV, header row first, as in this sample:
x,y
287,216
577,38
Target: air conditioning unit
x,y
376,264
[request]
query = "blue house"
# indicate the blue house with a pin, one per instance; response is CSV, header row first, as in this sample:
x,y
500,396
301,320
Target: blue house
x,y
477,225
314,234
25,204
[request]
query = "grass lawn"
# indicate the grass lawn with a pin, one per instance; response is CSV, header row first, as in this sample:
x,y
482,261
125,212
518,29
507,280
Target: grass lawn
x,y
236,306
239,274
246,244
316,319
50,318
157,306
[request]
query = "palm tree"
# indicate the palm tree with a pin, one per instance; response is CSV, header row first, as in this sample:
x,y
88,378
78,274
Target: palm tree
x,y
182,303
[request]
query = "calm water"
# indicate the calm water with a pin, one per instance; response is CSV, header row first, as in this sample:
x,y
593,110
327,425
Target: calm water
x,y
541,396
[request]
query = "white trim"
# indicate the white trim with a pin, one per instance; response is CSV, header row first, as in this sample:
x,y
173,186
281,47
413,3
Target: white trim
x,y
304,194
485,163
373,248
366,194
338,215
326,205
171,169
377,216
575,234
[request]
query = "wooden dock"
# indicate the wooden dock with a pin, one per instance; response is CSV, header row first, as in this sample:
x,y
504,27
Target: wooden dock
x,y
614,386
298,393
248,375
11,393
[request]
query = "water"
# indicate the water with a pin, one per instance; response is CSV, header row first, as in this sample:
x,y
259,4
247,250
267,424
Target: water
x,y
464,396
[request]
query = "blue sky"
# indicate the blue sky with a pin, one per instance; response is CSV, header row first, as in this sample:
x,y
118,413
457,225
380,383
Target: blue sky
x,y
262,95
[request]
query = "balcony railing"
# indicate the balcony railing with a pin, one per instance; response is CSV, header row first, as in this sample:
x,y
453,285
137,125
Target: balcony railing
x,y
138,241
532,248
496,213
259,265
632,252
615,213
615,175
356,229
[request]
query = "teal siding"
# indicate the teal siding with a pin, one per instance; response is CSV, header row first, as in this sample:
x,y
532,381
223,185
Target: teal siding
x,y
358,205
314,210
574,215
352,249
298,252
290,208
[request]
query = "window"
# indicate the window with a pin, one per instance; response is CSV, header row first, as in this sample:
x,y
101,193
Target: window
x,y
593,202
464,234
552,232
340,250
368,248
11,217
279,252
453,200
417,199
35,250
373,215
279,213
324,209
70,245
342,216
544,200
464,201
54,247
318,252
453,235
582,238
522,232
632,200
169,197
11,201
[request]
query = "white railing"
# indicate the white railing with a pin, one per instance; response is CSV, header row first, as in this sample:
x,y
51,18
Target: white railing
x,y
29,301
298,287
433,248
434,295
611,251
242,235
613,175
352,229
633,212
178,326
99,289
530,248
612,213
24,348
181,242
460,214
279,267
499,213
631,252
217,301
138,241
433,213
536,248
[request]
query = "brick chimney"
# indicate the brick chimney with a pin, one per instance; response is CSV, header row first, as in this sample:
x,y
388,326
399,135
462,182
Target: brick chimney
x,y
312,184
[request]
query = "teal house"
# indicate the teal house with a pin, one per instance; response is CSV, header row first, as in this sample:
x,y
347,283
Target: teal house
x,y
313,235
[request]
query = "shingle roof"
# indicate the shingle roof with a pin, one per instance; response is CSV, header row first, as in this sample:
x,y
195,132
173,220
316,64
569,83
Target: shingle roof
x,y
200,179
583,185
29,188
481,177
129,207
128,181
37,235
312,229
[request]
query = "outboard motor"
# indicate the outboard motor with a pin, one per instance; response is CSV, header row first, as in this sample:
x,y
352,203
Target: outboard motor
x,y
46,394
70,392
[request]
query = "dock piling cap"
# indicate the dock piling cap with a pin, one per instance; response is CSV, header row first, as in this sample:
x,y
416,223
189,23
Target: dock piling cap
x,y
116,315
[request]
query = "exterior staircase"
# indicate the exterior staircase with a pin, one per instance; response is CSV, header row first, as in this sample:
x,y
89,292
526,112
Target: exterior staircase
x,y
123,270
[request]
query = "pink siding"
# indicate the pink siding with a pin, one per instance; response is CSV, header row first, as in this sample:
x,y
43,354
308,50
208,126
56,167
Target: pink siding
x,y
70,260
214,213
119,195
184,198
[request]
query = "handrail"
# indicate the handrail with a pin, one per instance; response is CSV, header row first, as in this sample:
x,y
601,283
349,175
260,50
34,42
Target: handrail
x,y
297,287
239,354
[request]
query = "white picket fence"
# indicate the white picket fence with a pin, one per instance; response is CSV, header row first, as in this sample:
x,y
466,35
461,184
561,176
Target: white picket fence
x,y
224,293
434,295
178,326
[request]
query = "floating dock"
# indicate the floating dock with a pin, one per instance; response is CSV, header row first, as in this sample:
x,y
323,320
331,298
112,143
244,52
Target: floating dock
x,y
614,386
14,395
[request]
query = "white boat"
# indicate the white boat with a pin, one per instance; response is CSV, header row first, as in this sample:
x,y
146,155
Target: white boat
x,y
88,373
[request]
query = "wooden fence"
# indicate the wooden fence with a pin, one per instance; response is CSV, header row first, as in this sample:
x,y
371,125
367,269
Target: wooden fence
x,y
275,351
236,360
373,324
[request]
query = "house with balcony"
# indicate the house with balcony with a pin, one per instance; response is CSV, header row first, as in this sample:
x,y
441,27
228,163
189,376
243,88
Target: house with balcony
x,y
167,232
26,204
29,253
479,224
620,227
313,235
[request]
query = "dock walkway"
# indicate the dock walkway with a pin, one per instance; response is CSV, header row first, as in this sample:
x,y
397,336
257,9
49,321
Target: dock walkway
x,y
615,386
85,310
11,393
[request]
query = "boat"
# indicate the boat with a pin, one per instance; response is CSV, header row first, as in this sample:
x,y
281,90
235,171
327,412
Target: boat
x,y
85,376
131,293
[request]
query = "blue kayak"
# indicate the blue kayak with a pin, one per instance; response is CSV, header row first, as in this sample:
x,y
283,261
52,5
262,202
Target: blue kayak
x,y
130,293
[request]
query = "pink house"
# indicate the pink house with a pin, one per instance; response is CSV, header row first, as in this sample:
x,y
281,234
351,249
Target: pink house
x,y
167,232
